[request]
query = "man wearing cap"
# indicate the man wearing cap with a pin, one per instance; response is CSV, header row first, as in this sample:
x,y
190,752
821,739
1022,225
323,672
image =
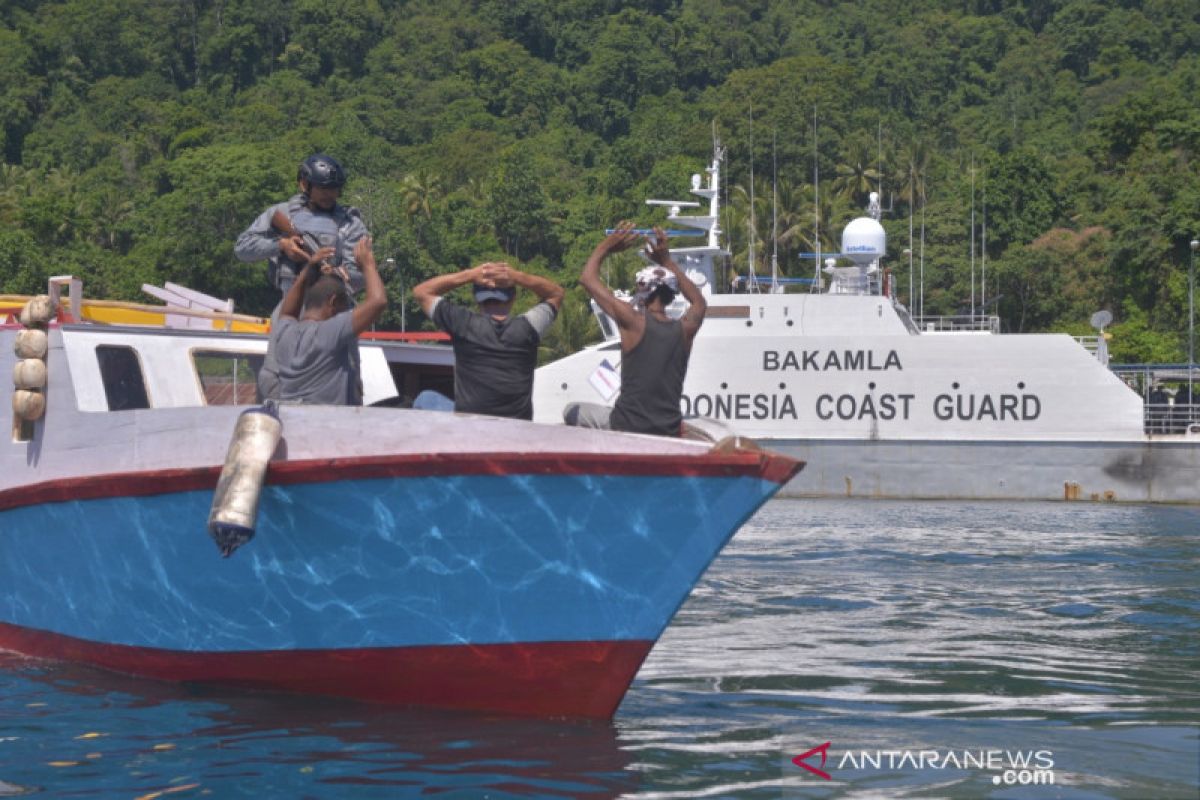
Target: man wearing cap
x,y
495,353
654,347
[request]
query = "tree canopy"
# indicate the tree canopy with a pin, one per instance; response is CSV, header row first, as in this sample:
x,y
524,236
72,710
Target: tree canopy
x,y
139,137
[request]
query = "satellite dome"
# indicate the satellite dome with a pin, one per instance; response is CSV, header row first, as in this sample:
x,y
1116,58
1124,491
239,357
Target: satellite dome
x,y
864,241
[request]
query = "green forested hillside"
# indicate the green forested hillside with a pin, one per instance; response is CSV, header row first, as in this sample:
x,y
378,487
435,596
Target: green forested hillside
x,y
140,136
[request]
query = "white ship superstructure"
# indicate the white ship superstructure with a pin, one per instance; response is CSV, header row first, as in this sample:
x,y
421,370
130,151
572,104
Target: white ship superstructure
x,y
883,404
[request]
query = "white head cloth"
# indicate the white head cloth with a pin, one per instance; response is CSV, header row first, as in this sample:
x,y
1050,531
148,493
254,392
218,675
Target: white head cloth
x,y
651,278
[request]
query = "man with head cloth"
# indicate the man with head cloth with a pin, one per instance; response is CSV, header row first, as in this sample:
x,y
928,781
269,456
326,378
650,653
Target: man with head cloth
x,y
654,347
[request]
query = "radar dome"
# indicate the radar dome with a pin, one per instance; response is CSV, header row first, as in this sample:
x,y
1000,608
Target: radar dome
x,y
864,240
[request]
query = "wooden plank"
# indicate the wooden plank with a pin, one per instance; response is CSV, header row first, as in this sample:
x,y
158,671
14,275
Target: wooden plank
x,y
727,312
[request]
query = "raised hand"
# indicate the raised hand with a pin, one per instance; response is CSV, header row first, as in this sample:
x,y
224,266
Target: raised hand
x,y
495,274
622,238
658,249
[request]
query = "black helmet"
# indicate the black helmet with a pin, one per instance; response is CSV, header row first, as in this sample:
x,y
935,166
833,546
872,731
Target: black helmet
x,y
322,170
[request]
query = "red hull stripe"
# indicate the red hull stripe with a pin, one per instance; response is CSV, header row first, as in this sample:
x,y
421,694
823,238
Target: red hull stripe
x,y
574,679
757,463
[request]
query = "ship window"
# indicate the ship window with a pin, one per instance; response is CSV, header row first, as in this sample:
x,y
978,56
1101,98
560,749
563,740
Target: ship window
x,y
121,372
605,326
227,379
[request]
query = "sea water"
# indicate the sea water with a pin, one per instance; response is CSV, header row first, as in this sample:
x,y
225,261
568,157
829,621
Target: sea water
x,y
834,649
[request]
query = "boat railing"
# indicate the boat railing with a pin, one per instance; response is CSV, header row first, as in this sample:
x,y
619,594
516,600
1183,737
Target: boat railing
x,y
958,323
1089,343
1172,417
1170,394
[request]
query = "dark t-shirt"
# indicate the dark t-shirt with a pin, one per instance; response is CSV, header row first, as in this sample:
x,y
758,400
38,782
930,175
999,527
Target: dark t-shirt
x,y
652,376
493,360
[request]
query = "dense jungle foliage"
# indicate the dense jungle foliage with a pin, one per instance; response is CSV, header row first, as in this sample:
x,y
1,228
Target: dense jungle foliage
x,y
139,137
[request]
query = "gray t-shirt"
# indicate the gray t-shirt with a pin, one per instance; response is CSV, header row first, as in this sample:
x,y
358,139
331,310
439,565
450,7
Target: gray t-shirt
x,y
318,361
493,360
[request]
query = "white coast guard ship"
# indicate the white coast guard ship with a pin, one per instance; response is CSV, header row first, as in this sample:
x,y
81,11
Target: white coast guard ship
x,y
884,404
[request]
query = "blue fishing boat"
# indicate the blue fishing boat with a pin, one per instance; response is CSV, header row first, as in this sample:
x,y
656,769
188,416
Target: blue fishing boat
x,y
400,556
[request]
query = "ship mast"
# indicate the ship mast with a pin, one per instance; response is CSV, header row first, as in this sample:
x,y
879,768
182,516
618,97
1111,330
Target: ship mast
x,y
752,281
774,212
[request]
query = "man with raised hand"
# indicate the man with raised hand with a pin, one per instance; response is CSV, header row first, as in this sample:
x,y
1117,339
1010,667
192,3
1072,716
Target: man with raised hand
x,y
315,341
654,347
495,353
289,234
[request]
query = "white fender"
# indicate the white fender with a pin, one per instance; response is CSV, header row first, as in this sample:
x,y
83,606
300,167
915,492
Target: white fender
x,y
29,373
31,343
28,405
37,311
234,514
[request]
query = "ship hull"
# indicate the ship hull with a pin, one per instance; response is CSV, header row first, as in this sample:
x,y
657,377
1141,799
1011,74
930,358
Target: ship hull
x,y
1159,471
521,585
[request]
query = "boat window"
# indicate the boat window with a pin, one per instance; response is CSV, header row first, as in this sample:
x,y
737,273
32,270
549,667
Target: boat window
x,y
121,372
227,379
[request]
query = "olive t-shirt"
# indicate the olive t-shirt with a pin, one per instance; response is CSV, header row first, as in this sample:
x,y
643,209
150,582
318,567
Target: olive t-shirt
x,y
493,360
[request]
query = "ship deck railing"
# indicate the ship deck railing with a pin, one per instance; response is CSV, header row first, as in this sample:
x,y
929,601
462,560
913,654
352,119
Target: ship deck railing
x,y
1170,394
958,323
1172,417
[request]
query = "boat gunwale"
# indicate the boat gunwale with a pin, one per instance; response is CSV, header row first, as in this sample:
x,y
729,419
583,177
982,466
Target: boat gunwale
x,y
767,465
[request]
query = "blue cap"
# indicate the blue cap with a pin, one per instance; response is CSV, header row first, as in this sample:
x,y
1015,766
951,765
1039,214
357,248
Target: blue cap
x,y
484,294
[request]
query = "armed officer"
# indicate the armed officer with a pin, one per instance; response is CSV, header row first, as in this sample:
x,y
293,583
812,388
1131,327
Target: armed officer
x,y
309,226
317,221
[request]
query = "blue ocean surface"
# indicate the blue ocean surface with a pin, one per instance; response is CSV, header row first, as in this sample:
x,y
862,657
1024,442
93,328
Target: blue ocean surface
x,y
912,649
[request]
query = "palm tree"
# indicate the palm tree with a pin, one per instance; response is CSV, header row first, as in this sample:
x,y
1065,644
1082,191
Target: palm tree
x,y
421,191
794,212
14,185
908,175
742,234
858,175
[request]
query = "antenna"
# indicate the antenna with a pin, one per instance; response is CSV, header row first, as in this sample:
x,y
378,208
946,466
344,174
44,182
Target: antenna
x,y
972,236
753,282
983,250
879,169
714,188
816,207
1099,320
923,187
774,211
912,184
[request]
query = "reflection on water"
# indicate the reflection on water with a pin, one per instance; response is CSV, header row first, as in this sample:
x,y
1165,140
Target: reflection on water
x,y
829,618
97,734
886,625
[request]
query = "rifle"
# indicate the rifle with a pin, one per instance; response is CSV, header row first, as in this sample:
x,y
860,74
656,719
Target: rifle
x,y
283,224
